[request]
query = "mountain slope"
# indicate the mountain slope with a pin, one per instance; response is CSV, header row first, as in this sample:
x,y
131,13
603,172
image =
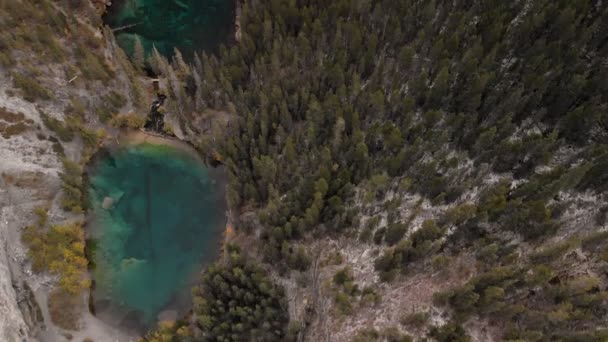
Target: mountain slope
x,y
415,136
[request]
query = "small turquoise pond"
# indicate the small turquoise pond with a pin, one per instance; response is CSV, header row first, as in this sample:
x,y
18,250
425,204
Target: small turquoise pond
x,y
189,25
157,217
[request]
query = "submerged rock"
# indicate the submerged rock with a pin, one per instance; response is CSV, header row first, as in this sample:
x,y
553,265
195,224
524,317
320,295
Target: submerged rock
x,y
107,203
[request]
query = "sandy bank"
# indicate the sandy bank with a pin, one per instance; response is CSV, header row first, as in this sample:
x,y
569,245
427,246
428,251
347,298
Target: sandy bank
x,y
136,137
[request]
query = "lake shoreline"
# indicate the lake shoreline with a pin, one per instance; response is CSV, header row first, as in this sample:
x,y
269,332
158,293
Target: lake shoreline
x,y
126,139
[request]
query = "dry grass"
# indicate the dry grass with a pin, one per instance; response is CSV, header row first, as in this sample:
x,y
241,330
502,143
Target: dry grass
x,y
30,87
11,117
28,180
12,124
65,309
13,130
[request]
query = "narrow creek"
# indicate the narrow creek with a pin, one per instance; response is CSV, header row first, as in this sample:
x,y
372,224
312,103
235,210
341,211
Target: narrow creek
x,y
157,216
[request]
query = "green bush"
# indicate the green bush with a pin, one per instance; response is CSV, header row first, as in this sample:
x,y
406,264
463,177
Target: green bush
x,y
416,320
451,332
63,131
343,275
127,121
552,252
74,194
76,107
395,232
344,303
92,66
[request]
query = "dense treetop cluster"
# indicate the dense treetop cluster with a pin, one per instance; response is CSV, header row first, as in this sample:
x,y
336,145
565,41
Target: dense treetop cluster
x,y
333,96
340,103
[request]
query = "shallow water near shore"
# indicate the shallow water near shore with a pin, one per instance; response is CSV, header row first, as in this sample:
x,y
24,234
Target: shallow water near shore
x,y
157,217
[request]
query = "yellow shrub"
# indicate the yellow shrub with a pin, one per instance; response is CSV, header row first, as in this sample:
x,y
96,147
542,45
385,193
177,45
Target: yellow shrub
x,y
127,121
58,250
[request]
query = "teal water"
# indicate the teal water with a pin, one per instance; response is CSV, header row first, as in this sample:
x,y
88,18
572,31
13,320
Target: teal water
x,y
165,223
189,25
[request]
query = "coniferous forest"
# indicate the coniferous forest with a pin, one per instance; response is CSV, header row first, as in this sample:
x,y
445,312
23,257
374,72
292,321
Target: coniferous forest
x,y
368,143
494,112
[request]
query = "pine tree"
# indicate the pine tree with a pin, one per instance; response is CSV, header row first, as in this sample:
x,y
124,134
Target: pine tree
x,y
139,58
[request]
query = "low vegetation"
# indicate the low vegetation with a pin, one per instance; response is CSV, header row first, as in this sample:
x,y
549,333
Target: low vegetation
x,y
110,106
63,131
539,297
65,309
348,297
128,121
168,331
13,130
59,250
74,192
30,88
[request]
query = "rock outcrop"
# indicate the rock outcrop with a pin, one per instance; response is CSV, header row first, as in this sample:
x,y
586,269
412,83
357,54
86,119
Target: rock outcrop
x,y
12,324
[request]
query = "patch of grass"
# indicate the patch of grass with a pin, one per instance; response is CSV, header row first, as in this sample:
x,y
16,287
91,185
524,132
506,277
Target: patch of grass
x,y
11,117
63,131
58,149
92,66
16,124
14,129
104,113
6,59
115,100
416,320
127,121
552,252
50,45
366,335
73,194
76,107
91,138
595,240
32,90
112,103
65,309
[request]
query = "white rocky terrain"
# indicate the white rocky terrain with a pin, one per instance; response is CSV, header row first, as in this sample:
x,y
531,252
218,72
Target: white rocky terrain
x,y
29,174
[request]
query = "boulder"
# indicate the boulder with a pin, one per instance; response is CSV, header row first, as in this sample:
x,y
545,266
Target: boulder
x,y
108,202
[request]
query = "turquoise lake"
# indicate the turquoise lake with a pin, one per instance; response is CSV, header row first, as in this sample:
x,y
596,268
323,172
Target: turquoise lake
x,y
189,25
158,214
